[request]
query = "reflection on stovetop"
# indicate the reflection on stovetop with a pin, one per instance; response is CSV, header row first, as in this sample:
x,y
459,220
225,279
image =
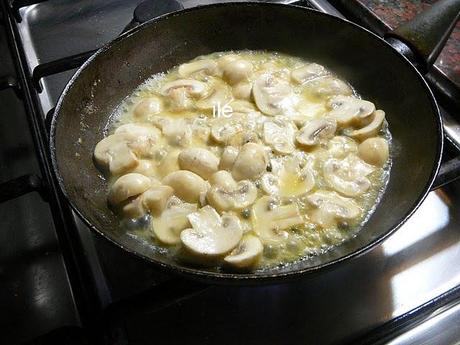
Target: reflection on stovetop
x,y
416,264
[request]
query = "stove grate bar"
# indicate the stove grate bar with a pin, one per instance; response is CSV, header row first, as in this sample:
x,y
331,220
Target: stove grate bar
x,y
58,66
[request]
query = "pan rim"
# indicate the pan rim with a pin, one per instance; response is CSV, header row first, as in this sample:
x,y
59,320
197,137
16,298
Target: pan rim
x,y
259,277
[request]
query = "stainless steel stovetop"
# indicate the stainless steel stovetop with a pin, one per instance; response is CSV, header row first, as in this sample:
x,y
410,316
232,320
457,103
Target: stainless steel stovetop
x,y
368,299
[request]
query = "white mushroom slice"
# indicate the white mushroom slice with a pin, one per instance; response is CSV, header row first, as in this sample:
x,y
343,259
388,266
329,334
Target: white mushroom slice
x,y
186,185
331,206
148,106
279,134
205,66
220,96
327,87
134,208
372,128
154,199
168,227
270,220
228,158
225,59
346,109
250,163
348,176
237,71
374,151
192,87
308,72
127,186
178,132
270,183
316,131
272,95
246,254
113,152
227,195
341,146
201,130
295,180
200,161
242,91
211,236
223,129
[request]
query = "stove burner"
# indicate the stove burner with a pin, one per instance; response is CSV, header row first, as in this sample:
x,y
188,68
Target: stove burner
x,y
150,9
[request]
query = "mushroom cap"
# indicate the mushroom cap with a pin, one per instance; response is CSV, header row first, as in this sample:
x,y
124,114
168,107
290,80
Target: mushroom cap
x,y
187,185
226,194
246,254
372,128
200,161
127,186
271,94
374,151
211,235
192,87
205,66
308,72
345,109
316,131
148,106
279,134
251,162
237,70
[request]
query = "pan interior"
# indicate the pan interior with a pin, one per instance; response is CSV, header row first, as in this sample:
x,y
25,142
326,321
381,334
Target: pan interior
x,y
367,63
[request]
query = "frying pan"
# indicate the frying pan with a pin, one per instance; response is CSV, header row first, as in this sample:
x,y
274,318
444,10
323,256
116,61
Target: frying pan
x,y
369,63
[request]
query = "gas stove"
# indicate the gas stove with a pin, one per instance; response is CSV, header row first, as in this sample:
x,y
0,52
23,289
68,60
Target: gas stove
x,y
61,283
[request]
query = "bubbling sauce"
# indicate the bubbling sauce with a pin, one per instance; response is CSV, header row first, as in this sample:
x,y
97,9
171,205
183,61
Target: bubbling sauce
x,y
245,160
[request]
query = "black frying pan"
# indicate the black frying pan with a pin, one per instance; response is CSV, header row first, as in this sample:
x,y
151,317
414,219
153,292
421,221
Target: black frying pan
x,y
370,64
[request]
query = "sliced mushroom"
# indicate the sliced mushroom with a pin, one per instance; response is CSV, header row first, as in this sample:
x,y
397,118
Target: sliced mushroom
x,y
205,66
200,161
340,146
271,219
148,106
326,87
127,186
308,72
228,158
270,184
372,128
219,96
142,138
250,163
316,131
237,71
345,109
225,59
187,185
272,95
223,129
192,87
168,227
133,208
348,176
295,180
331,207
113,153
211,235
154,199
279,134
374,151
246,254
242,90
227,195
178,132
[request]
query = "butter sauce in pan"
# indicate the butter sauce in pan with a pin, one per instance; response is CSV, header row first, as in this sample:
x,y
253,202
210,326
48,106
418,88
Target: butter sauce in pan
x,y
245,160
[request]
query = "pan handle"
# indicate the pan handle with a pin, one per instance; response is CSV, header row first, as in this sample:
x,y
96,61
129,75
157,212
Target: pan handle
x,y
427,33
448,172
